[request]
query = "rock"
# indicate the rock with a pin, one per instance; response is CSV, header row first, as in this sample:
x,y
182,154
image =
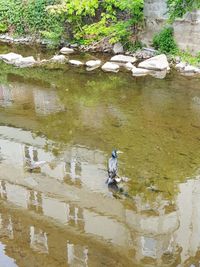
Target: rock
x,y
93,64
74,45
123,59
159,74
58,59
10,58
191,69
25,62
66,50
137,72
155,63
118,48
181,65
110,67
145,53
129,66
76,63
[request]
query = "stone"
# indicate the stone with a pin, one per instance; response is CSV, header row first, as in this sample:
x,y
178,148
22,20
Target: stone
x,y
191,69
159,74
76,63
93,63
118,48
59,59
129,66
137,72
110,67
123,59
66,50
10,58
181,65
25,62
159,62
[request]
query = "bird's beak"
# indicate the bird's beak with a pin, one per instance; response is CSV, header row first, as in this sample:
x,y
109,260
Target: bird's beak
x,y
120,152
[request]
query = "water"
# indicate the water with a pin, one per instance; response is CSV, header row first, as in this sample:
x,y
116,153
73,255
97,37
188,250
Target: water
x,y
63,214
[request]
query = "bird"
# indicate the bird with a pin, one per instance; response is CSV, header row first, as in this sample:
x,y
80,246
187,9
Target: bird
x,y
113,177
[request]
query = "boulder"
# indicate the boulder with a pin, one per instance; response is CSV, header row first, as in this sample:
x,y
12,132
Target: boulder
x,y
180,66
66,50
110,67
129,66
123,59
58,59
10,58
76,63
191,69
159,74
137,72
155,63
25,62
118,48
93,63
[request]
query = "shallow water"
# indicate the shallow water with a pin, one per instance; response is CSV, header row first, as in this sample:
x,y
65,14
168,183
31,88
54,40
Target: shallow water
x,y
64,214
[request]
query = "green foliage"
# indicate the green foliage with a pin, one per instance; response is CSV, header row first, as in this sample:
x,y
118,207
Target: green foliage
x,y
3,28
191,59
164,41
29,17
177,8
92,20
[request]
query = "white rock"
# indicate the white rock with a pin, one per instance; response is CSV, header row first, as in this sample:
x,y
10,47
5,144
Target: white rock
x,y
66,50
137,72
110,67
58,59
76,62
123,59
155,63
191,69
180,65
10,58
25,62
159,74
93,63
118,48
129,66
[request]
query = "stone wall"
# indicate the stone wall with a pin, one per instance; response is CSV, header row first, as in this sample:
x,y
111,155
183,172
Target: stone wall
x,y
186,30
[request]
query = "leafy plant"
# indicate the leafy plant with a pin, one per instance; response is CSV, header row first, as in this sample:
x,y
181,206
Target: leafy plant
x,y
177,8
165,42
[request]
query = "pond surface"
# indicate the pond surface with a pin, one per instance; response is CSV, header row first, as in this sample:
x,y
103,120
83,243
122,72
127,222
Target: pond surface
x,y
64,214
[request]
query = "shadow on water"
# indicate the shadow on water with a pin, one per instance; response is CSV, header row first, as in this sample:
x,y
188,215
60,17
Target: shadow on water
x,y
63,214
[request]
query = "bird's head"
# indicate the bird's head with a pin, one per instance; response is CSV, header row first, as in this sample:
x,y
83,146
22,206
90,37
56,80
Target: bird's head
x,y
115,153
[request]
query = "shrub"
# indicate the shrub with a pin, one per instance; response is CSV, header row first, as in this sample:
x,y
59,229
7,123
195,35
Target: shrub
x,y
165,42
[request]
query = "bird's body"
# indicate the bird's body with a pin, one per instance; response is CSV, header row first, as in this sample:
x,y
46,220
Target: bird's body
x,y
112,169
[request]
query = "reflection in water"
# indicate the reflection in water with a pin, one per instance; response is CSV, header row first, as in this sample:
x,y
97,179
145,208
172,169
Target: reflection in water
x,y
63,215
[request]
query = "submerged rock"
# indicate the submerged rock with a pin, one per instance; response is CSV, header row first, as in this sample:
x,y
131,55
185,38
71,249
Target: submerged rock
x,y
118,48
76,63
159,62
58,59
66,50
10,58
123,59
110,67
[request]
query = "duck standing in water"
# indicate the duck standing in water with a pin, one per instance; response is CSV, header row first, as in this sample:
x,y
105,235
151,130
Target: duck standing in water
x,y
113,177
